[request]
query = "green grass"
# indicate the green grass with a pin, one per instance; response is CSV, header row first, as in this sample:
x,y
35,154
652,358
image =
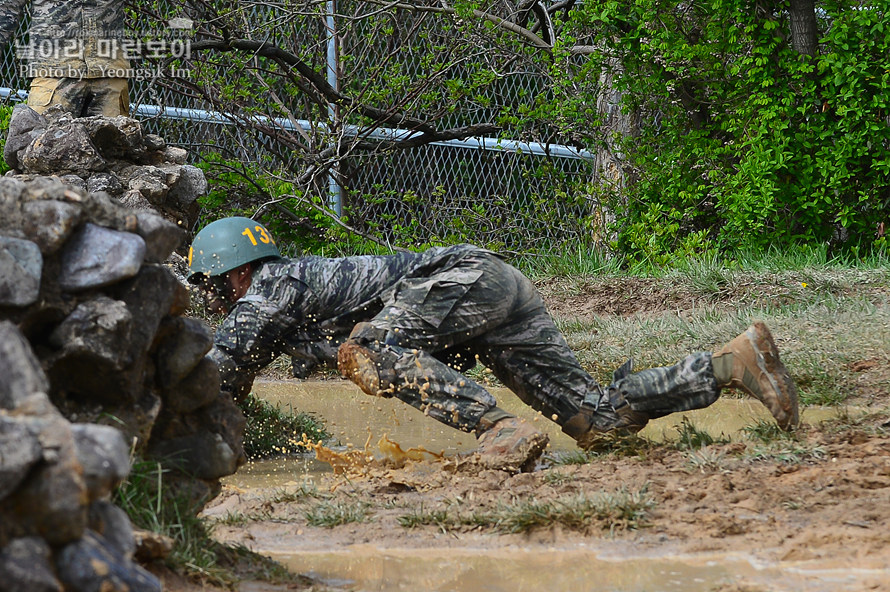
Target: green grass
x,y
617,509
792,453
439,518
329,514
706,459
146,499
5,114
272,431
571,262
554,477
304,492
819,338
692,438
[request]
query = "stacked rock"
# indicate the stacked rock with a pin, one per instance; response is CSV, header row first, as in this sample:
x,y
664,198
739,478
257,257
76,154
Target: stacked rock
x,y
97,362
109,154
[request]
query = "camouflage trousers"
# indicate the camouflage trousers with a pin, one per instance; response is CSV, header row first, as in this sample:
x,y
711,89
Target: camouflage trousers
x,y
483,309
81,97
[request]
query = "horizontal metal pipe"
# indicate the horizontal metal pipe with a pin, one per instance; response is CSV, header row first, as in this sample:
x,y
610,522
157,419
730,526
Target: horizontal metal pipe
x,y
389,134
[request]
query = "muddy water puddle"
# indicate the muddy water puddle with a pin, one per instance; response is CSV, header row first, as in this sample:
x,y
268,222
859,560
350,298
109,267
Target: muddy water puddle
x,y
365,568
356,420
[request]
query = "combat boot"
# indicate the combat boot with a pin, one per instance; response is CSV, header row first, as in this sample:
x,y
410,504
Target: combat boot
x,y
750,362
363,366
510,444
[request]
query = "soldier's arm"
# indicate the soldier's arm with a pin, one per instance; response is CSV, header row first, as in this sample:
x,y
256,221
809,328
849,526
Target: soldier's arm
x,y
10,14
307,356
254,333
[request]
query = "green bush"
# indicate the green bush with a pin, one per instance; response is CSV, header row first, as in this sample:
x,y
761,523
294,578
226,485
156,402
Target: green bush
x,y
745,143
5,114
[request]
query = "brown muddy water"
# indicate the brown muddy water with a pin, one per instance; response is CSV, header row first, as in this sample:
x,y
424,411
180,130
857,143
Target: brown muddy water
x,y
365,568
356,420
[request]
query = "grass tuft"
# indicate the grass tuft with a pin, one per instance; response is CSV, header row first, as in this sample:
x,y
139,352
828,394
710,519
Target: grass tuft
x,y
148,503
272,431
692,438
617,509
329,514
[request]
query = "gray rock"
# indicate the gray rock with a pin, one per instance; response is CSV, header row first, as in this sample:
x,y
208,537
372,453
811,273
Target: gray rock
x,y
19,450
161,236
48,188
173,173
116,138
51,501
64,148
199,388
205,455
25,126
107,211
97,257
179,353
225,418
175,155
97,330
49,223
133,199
107,182
74,181
26,566
150,181
113,525
21,266
104,456
150,296
19,367
154,142
191,185
10,207
92,564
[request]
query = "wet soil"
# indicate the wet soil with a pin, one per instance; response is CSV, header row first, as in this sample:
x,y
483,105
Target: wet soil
x,y
816,503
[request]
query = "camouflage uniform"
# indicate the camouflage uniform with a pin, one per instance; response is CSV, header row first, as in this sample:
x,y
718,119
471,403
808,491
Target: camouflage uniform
x,y
74,56
427,316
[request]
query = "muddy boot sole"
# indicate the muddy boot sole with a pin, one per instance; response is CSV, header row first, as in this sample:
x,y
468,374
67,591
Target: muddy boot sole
x,y
511,445
358,364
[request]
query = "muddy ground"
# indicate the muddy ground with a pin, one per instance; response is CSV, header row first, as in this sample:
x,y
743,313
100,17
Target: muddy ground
x,y
820,498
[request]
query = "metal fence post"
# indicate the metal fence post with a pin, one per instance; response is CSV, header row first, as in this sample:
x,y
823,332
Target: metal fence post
x,y
335,197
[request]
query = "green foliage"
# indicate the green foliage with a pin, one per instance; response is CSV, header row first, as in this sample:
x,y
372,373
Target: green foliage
x,y
5,114
243,188
743,142
716,135
272,431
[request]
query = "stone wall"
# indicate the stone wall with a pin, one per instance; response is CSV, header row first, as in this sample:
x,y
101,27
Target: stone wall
x,y
97,358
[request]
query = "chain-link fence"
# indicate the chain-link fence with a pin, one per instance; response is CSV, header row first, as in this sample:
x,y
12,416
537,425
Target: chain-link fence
x,y
514,196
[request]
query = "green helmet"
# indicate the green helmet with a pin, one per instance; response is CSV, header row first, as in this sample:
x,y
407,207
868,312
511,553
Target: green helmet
x,y
228,243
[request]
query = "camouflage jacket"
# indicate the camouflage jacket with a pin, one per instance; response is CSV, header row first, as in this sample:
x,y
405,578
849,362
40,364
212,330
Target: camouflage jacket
x,y
306,307
69,38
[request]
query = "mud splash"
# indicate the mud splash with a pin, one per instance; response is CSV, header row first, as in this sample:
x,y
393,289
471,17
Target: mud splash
x,y
366,428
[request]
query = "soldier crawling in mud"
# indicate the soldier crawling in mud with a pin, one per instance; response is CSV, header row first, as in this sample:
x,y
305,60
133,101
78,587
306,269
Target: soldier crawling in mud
x,y
74,55
407,325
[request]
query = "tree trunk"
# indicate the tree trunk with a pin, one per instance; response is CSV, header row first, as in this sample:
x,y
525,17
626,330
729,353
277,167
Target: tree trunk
x,y
803,26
